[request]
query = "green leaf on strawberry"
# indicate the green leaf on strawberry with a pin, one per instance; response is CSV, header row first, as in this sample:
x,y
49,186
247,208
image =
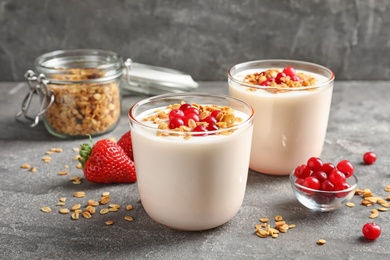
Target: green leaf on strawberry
x,y
106,162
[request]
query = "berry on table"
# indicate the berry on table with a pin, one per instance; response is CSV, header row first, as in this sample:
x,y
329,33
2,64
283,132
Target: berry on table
x,y
369,157
371,231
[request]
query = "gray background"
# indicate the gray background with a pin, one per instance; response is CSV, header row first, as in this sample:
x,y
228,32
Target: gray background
x,y
203,38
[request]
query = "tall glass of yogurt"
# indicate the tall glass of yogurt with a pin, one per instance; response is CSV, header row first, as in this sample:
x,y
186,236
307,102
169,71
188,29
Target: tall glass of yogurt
x,y
191,180
291,120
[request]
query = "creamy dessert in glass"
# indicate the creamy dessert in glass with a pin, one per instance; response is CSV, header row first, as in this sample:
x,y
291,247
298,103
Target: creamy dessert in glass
x,y
292,101
192,164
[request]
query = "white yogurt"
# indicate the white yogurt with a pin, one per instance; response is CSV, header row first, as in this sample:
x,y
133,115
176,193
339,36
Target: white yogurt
x,y
193,184
289,127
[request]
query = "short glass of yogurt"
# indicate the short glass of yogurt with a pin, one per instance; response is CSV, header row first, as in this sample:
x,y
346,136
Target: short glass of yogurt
x,y
192,164
292,101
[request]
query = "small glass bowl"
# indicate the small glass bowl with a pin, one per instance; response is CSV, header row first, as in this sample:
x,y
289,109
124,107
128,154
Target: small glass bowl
x,y
319,200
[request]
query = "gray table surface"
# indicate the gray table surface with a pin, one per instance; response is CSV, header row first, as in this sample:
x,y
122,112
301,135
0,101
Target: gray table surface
x,y
359,121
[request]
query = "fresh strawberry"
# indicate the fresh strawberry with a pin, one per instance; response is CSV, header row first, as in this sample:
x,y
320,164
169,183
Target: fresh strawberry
x,y
106,162
125,143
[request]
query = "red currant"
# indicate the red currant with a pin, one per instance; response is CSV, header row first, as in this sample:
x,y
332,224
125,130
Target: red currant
x,y
328,168
371,230
311,183
327,185
191,110
184,107
192,116
320,175
314,163
215,113
201,129
289,71
337,177
345,167
369,158
279,76
302,171
176,113
176,122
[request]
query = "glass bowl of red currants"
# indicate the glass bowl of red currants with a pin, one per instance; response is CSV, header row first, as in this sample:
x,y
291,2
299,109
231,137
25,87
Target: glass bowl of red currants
x,y
324,186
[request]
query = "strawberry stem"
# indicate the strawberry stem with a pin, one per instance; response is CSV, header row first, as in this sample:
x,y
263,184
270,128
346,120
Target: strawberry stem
x,y
85,152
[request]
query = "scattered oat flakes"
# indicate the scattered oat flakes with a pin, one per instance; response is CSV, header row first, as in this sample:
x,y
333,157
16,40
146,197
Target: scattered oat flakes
x,y
129,218
382,209
63,173
129,207
60,203
106,194
93,203
76,206
25,166
350,204
76,149
387,188
46,209
33,169
278,218
75,215
86,214
64,211
79,166
79,194
46,159
321,242
63,199
109,222
374,214
104,211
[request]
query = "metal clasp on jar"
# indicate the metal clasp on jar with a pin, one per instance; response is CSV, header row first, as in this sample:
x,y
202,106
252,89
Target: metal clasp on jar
x,y
38,87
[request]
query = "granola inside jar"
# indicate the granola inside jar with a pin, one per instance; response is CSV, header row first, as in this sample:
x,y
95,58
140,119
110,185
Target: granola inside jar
x,y
86,88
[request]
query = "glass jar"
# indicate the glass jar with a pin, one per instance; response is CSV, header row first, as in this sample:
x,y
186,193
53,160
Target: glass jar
x,y
79,91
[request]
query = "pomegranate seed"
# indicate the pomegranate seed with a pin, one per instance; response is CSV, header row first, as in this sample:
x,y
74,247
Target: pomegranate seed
x,y
176,113
371,231
184,107
279,76
289,71
345,167
176,122
320,176
337,177
314,163
369,158
302,171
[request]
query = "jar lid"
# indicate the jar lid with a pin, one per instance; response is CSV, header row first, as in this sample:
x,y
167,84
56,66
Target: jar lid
x,y
153,80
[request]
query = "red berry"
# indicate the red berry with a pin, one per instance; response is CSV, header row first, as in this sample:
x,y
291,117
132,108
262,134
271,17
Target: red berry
x,y
341,186
320,175
201,129
184,107
369,158
315,164
295,78
371,231
215,113
311,183
266,82
175,122
336,177
300,181
302,171
191,110
327,185
176,113
289,71
209,120
345,167
328,168
279,76
192,116
212,127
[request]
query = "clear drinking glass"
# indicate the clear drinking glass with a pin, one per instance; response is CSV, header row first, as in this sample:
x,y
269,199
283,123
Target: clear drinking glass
x,y
187,181
290,123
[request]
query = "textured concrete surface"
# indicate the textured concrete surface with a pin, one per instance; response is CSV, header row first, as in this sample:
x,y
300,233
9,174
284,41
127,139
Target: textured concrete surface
x,y
359,121
203,38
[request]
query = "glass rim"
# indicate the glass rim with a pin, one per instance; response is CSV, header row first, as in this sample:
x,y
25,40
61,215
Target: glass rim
x,y
109,62
245,122
285,62
297,185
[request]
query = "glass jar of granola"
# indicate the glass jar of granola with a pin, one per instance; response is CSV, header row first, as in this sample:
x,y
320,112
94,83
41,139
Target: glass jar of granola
x,y
79,91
